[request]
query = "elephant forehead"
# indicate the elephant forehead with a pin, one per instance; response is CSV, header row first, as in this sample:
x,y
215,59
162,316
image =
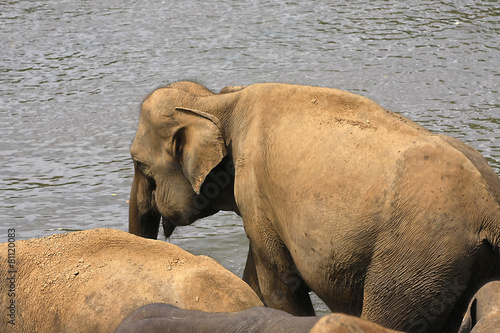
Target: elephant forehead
x,y
152,117
154,125
159,103
145,145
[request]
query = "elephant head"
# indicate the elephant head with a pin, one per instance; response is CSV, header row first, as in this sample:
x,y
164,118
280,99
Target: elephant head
x,y
181,173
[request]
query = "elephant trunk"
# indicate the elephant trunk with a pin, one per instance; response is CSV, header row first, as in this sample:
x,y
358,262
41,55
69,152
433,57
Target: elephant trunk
x,y
144,218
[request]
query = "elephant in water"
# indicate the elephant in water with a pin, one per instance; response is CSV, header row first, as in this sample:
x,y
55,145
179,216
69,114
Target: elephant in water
x,y
337,195
159,318
90,281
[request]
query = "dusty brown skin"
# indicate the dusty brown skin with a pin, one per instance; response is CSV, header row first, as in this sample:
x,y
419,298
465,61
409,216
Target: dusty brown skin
x,y
366,208
483,314
89,281
341,323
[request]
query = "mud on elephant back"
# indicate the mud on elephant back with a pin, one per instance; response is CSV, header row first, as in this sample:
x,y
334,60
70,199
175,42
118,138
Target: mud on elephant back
x,y
338,195
89,281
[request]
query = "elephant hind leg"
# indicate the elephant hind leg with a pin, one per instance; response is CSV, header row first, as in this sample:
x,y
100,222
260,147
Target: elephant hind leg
x,y
281,284
429,289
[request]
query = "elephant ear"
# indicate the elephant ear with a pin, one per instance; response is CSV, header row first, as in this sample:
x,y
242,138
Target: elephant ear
x,y
198,144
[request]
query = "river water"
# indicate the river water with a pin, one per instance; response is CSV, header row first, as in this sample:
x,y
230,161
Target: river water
x,y
73,75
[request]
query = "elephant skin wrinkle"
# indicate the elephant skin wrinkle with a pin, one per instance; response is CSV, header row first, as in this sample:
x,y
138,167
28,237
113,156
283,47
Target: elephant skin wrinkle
x,y
89,281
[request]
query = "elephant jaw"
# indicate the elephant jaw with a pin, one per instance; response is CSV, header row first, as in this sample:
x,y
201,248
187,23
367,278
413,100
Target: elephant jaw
x,y
171,220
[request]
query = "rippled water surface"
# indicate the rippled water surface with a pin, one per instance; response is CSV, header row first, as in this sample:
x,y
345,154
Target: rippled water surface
x,y
74,73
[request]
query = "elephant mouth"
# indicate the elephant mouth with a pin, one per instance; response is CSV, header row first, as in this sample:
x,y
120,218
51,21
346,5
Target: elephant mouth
x,y
168,226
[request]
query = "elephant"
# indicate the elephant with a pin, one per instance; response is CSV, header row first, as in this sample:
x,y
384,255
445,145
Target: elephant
x,y
90,281
483,313
160,317
341,323
337,195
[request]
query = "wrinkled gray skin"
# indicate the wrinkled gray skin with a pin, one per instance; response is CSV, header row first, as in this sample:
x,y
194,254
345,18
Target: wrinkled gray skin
x,y
159,318
483,314
337,195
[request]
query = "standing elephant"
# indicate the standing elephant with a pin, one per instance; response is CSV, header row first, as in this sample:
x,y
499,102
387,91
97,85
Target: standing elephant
x,y
337,195
90,281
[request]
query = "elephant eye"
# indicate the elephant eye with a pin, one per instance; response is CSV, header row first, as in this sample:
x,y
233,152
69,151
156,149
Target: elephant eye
x,y
143,168
139,164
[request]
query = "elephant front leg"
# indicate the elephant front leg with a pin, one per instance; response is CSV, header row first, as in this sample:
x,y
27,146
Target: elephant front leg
x,y
250,273
280,282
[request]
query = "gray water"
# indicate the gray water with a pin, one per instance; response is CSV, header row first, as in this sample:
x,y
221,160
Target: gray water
x,y
73,75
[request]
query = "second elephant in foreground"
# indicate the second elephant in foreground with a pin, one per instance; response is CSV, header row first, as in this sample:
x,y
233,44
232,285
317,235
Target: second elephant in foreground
x,y
338,195
483,314
89,281
159,318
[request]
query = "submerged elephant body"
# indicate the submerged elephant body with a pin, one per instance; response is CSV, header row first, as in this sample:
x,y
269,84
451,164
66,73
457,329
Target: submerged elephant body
x,y
337,195
89,281
160,318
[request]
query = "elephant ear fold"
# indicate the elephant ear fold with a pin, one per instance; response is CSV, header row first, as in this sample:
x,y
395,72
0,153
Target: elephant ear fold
x,y
198,144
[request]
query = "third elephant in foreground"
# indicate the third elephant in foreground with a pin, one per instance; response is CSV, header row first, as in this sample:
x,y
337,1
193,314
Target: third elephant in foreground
x,y
159,318
338,195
